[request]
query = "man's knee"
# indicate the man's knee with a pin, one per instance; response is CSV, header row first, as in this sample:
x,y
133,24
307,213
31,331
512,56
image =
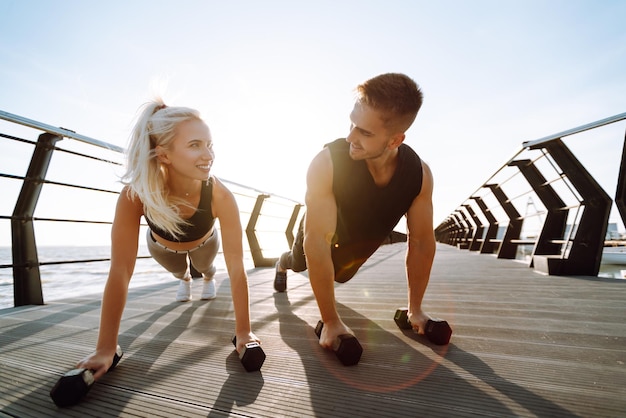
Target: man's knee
x,y
296,264
299,267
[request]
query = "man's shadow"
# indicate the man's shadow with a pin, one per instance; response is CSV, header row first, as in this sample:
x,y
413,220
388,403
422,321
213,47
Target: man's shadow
x,y
393,371
534,403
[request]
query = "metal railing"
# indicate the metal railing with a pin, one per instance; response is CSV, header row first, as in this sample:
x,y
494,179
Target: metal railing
x,y
91,186
542,199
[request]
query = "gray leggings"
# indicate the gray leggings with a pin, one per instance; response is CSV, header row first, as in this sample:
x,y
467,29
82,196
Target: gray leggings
x,y
175,262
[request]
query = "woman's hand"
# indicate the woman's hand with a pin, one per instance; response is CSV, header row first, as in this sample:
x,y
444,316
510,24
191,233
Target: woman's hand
x,y
99,363
243,338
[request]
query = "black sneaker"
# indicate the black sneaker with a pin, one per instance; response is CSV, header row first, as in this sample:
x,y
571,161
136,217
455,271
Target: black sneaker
x,y
280,280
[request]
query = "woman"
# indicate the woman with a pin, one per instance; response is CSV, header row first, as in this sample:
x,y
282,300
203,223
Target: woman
x,y
168,182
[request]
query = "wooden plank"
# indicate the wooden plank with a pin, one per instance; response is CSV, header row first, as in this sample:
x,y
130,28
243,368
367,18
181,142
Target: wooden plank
x,y
524,344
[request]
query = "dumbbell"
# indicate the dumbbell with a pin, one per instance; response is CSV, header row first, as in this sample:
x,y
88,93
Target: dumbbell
x,y
346,347
252,356
437,330
75,384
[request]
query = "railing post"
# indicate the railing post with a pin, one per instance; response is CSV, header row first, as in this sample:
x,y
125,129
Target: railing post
x,y
507,248
26,278
451,230
480,229
620,192
445,231
488,246
255,249
459,229
468,230
556,216
585,255
292,224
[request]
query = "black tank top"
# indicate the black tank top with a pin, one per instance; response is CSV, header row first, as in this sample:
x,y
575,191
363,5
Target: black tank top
x,y
367,213
199,224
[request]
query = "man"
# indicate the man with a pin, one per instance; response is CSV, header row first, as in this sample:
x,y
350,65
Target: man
x,y
357,191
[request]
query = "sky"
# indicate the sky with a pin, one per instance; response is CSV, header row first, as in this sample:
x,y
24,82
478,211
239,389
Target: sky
x,y
274,80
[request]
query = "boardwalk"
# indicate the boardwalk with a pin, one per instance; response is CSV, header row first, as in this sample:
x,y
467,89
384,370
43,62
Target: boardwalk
x,y
523,345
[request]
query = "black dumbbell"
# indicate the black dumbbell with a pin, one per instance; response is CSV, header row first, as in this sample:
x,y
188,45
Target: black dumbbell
x,y
252,356
75,384
437,330
346,347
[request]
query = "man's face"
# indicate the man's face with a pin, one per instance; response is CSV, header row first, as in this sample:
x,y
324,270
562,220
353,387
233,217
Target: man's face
x,y
368,136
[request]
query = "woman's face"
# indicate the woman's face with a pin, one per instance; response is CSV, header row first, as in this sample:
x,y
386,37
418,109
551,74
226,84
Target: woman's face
x,y
190,154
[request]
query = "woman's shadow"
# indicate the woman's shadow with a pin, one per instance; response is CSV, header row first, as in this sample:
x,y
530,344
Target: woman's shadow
x,y
240,387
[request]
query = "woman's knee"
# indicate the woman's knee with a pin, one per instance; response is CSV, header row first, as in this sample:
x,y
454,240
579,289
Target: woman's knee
x,y
203,258
172,262
208,271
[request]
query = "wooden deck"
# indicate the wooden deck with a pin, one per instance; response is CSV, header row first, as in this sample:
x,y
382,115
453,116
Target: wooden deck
x,y
523,345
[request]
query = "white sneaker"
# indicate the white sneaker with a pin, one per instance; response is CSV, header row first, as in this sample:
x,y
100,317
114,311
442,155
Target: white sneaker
x,y
208,290
184,291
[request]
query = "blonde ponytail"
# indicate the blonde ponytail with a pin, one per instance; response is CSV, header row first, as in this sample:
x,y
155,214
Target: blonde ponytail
x,y
145,176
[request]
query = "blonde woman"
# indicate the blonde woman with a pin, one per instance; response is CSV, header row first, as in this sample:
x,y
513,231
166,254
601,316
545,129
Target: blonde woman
x,y
168,181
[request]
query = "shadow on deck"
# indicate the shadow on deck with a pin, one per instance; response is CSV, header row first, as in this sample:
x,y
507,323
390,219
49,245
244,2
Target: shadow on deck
x,y
524,344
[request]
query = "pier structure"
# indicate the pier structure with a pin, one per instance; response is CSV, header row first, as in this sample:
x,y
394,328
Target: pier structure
x,y
570,219
523,345
525,342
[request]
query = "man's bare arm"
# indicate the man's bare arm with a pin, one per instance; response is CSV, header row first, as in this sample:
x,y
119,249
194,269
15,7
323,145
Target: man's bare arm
x,y
421,249
319,229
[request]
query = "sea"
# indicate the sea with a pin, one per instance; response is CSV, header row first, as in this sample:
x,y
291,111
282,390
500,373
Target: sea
x,y
60,281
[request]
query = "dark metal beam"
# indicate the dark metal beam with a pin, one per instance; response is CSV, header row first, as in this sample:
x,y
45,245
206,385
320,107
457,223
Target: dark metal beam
x,y
26,276
255,248
488,245
585,253
554,226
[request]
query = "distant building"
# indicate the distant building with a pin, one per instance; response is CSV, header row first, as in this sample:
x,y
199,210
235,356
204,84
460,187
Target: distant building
x,y
612,232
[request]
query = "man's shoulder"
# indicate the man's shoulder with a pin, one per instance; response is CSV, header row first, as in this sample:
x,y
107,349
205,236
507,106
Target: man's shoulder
x,y
409,155
338,152
407,148
339,143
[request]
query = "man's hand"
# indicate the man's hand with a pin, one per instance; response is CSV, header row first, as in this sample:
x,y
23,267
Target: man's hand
x,y
418,320
330,332
342,342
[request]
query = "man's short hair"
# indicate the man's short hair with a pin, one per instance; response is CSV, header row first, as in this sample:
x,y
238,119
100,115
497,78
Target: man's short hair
x,y
395,95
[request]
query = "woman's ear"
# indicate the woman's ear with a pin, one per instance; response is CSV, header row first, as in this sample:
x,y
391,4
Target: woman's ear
x,y
161,155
